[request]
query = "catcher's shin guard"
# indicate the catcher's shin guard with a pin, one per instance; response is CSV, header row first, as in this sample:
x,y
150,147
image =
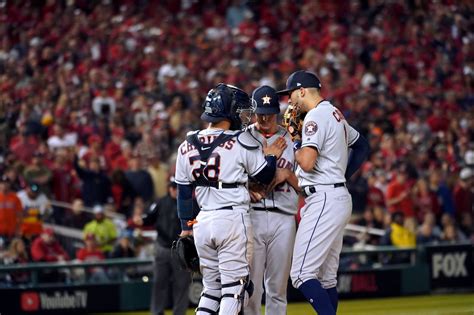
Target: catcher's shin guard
x,y
235,296
209,302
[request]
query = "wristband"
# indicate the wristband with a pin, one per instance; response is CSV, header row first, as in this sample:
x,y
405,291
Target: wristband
x,y
297,145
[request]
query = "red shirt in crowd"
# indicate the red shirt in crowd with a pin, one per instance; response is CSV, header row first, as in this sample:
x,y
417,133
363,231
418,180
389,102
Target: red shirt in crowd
x,y
463,199
375,197
395,190
48,252
85,254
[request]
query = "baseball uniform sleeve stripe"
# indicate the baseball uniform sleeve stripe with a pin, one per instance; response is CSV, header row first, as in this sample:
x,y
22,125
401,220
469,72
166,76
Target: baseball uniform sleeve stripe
x,y
259,168
355,139
311,144
182,182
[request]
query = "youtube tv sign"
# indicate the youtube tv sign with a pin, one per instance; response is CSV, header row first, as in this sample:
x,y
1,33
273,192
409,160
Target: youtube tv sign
x,y
37,301
59,300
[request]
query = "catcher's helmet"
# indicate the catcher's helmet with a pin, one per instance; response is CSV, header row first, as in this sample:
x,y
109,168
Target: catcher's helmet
x,y
227,102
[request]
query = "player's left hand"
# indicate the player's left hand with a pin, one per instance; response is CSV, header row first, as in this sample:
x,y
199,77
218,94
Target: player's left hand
x,y
256,196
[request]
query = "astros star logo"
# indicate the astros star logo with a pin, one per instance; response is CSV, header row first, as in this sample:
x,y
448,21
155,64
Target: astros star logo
x,y
266,99
310,128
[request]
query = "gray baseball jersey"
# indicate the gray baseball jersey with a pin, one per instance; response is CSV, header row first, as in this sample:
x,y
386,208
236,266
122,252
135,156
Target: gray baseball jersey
x,y
283,196
229,163
326,129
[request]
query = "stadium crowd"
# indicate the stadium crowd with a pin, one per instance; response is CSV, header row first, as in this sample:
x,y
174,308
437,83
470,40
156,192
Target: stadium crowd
x,y
96,96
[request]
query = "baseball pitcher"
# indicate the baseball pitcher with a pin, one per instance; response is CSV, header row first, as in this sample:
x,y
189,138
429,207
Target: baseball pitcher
x,y
321,146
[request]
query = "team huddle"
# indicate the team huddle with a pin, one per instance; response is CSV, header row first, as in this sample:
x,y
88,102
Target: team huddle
x,y
245,180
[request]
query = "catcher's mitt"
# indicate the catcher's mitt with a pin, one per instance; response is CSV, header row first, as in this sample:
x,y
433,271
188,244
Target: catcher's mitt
x,y
184,250
293,122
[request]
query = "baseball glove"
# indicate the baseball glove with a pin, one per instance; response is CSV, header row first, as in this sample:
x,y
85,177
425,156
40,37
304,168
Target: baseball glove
x,y
184,251
293,122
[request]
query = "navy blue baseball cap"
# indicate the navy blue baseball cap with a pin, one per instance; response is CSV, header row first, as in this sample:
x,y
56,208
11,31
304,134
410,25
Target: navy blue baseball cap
x,y
266,100
301,79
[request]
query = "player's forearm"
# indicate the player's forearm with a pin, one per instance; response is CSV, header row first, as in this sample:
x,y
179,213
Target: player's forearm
x,y
306,158
185,206
292,180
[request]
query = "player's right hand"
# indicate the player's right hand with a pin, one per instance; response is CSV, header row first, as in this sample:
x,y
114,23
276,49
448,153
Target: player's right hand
x,y
276,148
186,233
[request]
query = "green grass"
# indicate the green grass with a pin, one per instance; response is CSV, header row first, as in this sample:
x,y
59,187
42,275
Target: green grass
x,y
452,304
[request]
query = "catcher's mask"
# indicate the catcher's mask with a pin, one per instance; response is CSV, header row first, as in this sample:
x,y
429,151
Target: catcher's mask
x,y
184,251
228,102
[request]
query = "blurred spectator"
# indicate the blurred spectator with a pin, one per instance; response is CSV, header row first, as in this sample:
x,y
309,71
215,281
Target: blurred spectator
x,y
370,221
135,220
399,193
463,193
16,181
358,187
123,248
95,151
103,228
25,147
450,232
61,139
11,211
95,183
103,105
425,235
36,209
76,218
123,193
451,235
63,181
159,173
122,157
442,192
375,196
140,179
398,235
17,254
113,147
38,172
424,200
430,220
466,226
92,253
46,248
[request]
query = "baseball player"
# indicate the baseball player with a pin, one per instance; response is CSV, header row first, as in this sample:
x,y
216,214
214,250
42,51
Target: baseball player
x,y
324,164
273,220
216,162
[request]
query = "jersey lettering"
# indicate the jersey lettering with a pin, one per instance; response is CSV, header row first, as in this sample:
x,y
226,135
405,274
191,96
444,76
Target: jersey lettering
x,y
228,145
338,115
212,169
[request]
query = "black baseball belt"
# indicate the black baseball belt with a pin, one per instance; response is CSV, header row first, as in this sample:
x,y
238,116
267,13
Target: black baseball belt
x,y
309,190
